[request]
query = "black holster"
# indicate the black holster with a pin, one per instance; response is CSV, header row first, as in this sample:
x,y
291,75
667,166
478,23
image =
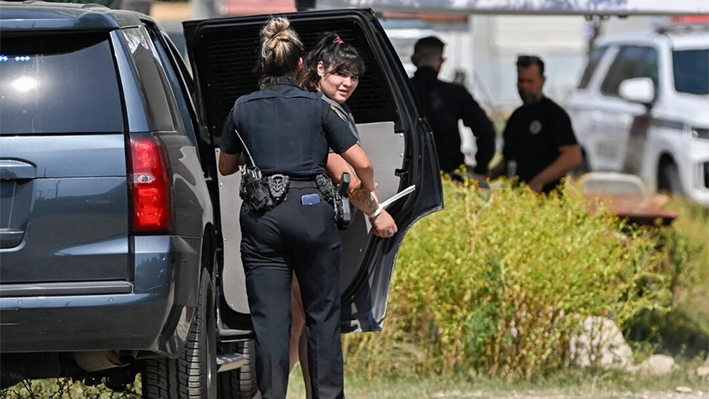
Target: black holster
x,y
337,197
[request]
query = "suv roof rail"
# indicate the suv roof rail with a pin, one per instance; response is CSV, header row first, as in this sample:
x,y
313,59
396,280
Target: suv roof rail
x,y
80,5
95,5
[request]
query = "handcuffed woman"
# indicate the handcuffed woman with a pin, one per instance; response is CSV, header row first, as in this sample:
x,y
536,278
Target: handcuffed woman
x,y
333,67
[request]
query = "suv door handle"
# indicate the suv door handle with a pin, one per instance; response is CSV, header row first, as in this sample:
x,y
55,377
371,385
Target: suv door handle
x,y
10,238
16,170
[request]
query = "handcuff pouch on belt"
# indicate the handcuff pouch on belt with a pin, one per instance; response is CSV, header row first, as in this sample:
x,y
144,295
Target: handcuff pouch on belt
x,y
262,193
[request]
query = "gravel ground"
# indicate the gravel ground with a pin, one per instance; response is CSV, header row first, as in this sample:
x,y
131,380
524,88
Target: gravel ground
x,y
681,394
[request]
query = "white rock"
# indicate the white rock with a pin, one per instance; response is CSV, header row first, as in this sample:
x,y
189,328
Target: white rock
x,y
656,365
447,394
601,344
684,389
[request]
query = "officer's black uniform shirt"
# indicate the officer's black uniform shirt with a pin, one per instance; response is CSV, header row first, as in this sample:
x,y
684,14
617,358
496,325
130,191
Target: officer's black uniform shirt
x,y
444,104
533,136
287,130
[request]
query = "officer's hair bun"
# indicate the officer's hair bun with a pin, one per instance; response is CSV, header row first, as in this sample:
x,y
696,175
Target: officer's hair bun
x,y
281,48
277,29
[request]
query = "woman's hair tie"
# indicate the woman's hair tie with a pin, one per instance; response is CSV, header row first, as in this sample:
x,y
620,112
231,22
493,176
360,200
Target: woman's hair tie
x,y
338,40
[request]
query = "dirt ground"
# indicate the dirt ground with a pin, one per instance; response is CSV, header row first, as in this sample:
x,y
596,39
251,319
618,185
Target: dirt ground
x,y
552,395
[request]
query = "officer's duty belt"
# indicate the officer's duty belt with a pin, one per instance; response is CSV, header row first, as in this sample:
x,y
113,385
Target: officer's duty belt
x,y
302,184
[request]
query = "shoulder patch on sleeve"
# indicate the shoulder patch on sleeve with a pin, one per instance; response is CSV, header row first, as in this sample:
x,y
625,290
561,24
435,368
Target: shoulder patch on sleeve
x,y
332,107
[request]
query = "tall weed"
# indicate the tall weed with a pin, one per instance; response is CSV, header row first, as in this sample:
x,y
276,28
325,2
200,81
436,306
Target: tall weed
x,y
499,281
685,329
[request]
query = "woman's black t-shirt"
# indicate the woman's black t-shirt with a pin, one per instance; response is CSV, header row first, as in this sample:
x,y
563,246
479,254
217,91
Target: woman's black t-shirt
x,y
286,129
533,136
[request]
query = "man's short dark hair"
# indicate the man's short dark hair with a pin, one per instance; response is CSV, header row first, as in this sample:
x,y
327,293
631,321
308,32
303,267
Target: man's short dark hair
x,y
526,61
427,50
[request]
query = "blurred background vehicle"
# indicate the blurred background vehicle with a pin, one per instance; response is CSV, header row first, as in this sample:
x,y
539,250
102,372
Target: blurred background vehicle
x,y
642,107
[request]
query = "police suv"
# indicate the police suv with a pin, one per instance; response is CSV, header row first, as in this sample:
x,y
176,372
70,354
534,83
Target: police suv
x,y
642,107
118,238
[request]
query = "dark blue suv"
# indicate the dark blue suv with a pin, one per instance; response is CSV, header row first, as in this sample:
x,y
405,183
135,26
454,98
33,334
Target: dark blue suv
x,y
119,246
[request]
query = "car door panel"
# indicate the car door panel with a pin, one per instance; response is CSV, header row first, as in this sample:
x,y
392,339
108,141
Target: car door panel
x,y
617,114
233,278
224,53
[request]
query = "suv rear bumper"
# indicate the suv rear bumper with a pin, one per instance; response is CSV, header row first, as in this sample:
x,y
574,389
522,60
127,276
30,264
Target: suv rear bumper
x,y
156,316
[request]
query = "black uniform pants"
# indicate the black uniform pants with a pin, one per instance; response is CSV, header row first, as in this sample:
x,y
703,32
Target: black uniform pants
x,y
304,239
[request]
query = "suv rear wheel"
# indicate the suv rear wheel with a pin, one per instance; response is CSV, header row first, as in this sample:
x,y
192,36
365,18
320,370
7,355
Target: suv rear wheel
x,y
194,374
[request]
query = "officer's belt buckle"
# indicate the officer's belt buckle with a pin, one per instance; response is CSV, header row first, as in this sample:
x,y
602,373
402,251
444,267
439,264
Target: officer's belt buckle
x,y
278,185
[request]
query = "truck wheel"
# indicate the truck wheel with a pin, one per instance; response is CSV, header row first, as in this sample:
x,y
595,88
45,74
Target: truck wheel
x,y
240,383
194,374
669,180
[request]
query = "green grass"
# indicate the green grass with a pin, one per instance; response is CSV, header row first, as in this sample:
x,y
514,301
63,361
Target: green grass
x,y
61,388
692,296
572,383
498,283
685,329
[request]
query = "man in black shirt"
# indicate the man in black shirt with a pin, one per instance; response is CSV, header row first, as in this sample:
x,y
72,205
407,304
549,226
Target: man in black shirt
x,y
538,135
444,104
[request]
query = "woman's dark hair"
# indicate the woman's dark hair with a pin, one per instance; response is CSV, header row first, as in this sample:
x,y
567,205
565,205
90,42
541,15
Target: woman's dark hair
x,y
336,55
281,50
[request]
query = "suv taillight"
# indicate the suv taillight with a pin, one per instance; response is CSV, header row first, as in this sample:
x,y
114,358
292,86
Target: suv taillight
x,y
150,186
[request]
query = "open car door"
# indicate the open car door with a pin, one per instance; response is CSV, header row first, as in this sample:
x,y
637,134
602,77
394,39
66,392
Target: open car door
x,y
224,57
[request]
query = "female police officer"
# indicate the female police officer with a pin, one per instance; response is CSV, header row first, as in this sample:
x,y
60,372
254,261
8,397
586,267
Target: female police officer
x,y
285,132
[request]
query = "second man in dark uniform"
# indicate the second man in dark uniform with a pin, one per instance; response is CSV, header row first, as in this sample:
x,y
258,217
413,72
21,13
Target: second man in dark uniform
x,y
539,138
444,104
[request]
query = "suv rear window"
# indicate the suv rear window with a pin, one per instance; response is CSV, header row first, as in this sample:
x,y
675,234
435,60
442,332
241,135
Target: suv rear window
x,y
58,84
691,71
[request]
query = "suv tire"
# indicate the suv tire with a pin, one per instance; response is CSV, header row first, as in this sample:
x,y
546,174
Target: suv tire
x,y
669,180
194,374
240,383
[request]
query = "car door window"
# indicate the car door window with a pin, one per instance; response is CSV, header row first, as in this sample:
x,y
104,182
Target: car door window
x,y
631,62
691,71
176,82
152,78
58,83
593,62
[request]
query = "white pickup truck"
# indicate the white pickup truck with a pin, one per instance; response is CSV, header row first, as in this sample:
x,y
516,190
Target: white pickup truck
x,y
642,107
